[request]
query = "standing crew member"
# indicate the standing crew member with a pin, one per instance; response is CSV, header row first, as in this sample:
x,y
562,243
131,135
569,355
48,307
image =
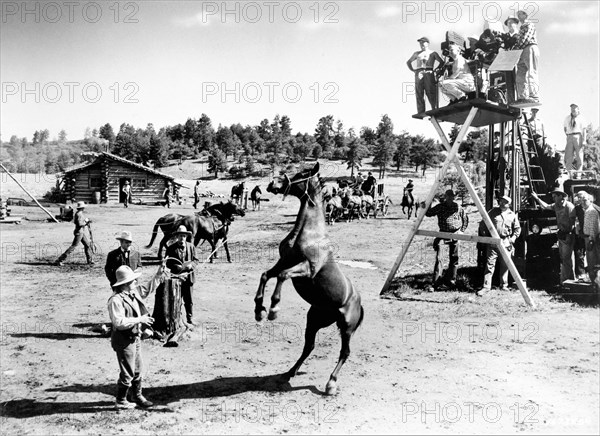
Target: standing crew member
x,y
574,127
123,255
451,219
128,315
591,233
424,76
565,220
196,194
80,235
508,228
527,67
167,194
461,81
183,255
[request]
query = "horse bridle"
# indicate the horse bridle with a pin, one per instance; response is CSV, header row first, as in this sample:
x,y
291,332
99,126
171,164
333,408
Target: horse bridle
x,y
290,183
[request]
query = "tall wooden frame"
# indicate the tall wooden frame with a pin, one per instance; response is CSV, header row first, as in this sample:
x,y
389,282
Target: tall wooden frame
x,y
452,158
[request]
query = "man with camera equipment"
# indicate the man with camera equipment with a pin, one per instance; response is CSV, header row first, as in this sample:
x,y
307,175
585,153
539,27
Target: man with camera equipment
x,y
527,74
565,221
512,24
461,81
424,76
574,127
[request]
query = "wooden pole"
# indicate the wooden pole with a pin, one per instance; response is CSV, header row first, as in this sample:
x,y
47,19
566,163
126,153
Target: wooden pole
x,y
27,192
488,222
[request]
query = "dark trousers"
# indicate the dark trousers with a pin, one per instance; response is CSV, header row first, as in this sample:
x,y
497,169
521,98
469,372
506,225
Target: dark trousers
x,y
186,293
425,84
580,257
196,201
453,263
130,363
77,238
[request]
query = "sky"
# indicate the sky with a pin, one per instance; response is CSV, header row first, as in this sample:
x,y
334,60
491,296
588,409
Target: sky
x,y
72,65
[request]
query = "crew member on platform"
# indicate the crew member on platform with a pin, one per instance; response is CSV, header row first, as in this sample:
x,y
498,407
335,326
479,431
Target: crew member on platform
x,y
80,235
424,76
565,220
508,228
574,127
527,68
512,24
182,255
451,219
461,81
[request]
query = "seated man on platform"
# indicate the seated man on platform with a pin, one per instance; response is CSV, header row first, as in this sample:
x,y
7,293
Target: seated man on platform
x,y
461,81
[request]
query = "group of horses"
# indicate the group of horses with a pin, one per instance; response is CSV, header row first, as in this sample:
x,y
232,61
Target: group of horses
x,y
237,195
347,203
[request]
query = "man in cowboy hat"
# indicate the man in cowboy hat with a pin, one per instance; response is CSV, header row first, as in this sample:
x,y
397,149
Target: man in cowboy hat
x,y
129,318
80,235
565,220
424,75
574,127
512,24
508,228
408,189
181,256
451,219
126,193
123,255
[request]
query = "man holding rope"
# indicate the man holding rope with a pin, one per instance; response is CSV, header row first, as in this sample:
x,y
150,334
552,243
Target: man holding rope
x,y
181,256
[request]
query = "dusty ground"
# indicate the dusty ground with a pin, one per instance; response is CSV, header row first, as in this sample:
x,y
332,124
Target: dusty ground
x,y
429,363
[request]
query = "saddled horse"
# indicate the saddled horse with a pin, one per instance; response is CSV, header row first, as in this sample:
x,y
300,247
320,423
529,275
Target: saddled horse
x,y
237,192
211,224
352,203
368,205
407,202
306,256
255,197
333,205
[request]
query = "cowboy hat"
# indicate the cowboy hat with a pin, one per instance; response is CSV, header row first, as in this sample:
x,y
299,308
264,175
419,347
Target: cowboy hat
x,y
125,275
423,38
127,182
505,198
559,192
80,204
515,19
450,193
125,236
182,230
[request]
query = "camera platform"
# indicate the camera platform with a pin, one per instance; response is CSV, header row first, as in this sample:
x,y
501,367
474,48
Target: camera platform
x,y
525,105
488,113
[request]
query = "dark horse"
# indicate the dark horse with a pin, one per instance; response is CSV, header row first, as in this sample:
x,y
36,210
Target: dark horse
x,y
407,202
255,197
211,224
306,256
237,193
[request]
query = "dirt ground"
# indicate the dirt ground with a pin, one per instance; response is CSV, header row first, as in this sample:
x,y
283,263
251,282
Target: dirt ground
x,y
443,362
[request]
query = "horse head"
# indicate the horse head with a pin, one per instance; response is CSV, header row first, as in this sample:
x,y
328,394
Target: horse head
x,y
304,183
229,209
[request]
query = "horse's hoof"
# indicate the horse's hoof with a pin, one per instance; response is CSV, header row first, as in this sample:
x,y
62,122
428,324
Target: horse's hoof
x,y
260,314
272,315
331,388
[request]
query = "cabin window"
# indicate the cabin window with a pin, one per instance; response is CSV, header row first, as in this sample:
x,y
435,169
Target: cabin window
x,y
95,182
139,183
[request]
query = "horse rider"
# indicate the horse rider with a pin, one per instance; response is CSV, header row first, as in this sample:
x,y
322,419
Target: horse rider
x,y
129,317
180,260
127,192
81,222
408,189
369,185
167,195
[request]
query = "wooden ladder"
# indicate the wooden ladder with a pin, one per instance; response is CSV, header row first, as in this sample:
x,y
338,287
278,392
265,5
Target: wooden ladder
x,y
534,172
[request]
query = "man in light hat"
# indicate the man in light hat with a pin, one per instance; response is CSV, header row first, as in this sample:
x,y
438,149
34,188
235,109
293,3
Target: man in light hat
x,y
181,257
80,235
129,318
591,232
574,127
451,219
424,76
512,24
126,193
167,195
527,68
565,220
537,129
507,225
461,82
123,255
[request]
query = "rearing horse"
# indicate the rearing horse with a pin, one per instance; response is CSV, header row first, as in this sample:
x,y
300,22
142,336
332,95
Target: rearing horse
x,y
306,256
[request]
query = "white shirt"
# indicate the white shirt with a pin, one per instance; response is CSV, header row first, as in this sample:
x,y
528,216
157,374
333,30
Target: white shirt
x,y
579,124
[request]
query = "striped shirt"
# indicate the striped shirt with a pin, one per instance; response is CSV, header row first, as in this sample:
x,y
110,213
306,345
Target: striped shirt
x,y
527,35
591,222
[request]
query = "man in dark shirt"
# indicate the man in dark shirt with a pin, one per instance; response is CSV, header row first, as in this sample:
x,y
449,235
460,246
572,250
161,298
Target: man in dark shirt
x,y
181,256
123,255
451,219
80,235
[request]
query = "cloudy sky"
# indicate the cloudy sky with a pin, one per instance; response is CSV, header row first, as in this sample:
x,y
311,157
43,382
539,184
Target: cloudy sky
x,y
73,65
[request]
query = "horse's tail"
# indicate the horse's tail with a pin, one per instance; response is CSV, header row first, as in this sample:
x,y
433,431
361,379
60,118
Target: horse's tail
x,y
154,233
362,316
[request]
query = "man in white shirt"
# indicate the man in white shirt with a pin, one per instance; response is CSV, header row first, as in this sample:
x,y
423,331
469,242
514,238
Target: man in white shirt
x,y
591,232
424,76
574,127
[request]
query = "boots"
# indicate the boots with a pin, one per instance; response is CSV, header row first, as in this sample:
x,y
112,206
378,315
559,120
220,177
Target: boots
x,y
122,402
137,395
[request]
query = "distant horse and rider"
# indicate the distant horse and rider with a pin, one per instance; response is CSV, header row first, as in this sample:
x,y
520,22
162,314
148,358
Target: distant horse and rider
x,y
256,197
408,201
211,224
307,257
